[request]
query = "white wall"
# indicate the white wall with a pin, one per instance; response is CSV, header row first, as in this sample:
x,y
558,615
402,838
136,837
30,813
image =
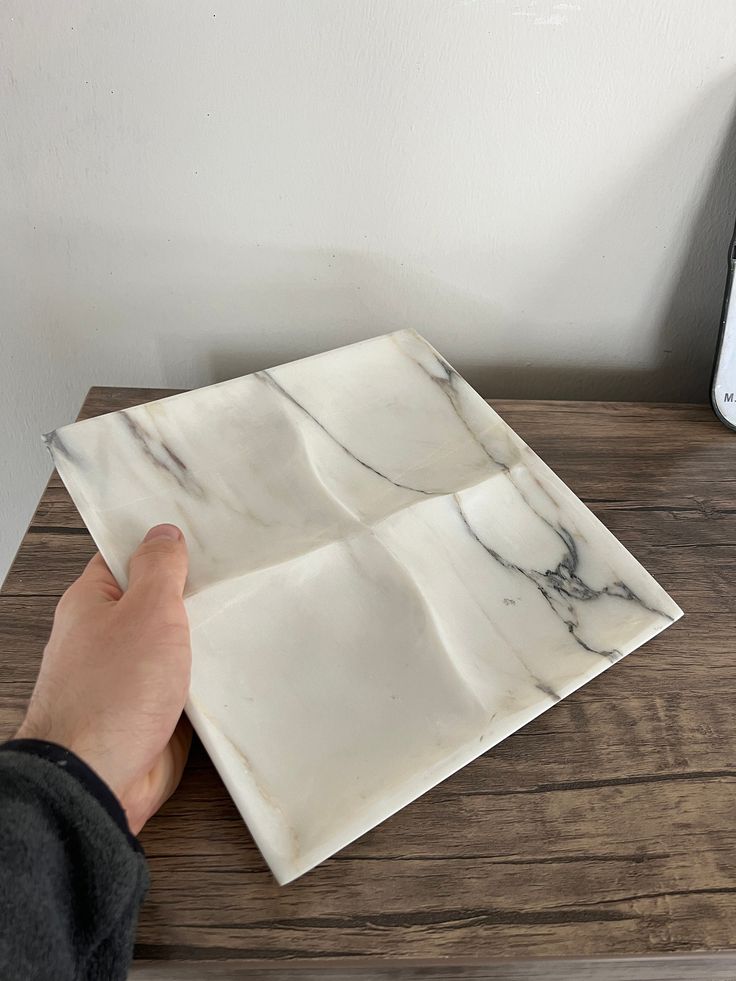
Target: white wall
x,y
191,191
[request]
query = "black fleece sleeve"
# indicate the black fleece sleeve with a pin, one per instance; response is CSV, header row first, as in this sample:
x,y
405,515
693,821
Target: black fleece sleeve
x,y
72,877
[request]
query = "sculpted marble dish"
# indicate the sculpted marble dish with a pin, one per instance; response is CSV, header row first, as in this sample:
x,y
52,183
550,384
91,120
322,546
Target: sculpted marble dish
x,y
385,580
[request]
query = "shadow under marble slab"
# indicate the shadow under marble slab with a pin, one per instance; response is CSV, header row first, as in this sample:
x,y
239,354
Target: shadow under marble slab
x,y
385,581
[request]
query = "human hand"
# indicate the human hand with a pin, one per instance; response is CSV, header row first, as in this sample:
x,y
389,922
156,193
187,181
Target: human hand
x,y
115,675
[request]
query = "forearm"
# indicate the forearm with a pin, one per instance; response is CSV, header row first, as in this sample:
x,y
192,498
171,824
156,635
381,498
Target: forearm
x,y
71,876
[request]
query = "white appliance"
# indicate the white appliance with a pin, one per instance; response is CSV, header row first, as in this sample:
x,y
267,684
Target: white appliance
x,y
723,391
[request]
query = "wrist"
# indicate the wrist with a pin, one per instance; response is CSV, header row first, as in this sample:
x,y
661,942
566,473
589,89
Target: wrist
x,y
78,770
37,727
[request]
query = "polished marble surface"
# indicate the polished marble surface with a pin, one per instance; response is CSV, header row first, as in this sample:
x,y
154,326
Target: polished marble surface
x,y
385,580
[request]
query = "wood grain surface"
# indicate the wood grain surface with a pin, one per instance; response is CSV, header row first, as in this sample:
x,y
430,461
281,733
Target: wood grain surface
x,y
604,829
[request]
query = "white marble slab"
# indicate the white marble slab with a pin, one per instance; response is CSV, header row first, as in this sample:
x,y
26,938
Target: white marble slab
x,y
385,580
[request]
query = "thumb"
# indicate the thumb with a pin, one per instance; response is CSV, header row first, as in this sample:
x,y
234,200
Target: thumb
x,y
160,563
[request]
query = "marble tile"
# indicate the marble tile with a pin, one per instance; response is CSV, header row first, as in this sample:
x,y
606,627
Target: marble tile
x,y
385,580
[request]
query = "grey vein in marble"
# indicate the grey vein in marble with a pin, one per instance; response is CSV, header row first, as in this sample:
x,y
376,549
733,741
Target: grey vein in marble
x,y
385,580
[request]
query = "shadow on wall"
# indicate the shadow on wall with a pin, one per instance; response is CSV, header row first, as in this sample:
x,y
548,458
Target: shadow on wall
x,y
373,295
689,323
684,319
682,324
347,296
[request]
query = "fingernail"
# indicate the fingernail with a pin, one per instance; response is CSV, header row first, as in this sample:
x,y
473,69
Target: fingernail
x,y
164,531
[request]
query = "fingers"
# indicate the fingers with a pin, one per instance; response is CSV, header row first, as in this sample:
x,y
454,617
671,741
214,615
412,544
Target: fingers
x,y
96,570
175,754
96,582
160,563
163,778
181,742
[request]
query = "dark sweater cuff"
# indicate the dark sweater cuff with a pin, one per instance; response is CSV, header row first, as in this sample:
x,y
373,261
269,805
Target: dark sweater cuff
x,y
65,760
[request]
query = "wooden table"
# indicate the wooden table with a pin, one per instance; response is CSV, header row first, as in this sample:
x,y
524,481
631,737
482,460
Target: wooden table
x,y
603,830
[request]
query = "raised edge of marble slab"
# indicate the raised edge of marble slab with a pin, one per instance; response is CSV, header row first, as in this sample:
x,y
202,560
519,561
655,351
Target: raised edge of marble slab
x,y
387,447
